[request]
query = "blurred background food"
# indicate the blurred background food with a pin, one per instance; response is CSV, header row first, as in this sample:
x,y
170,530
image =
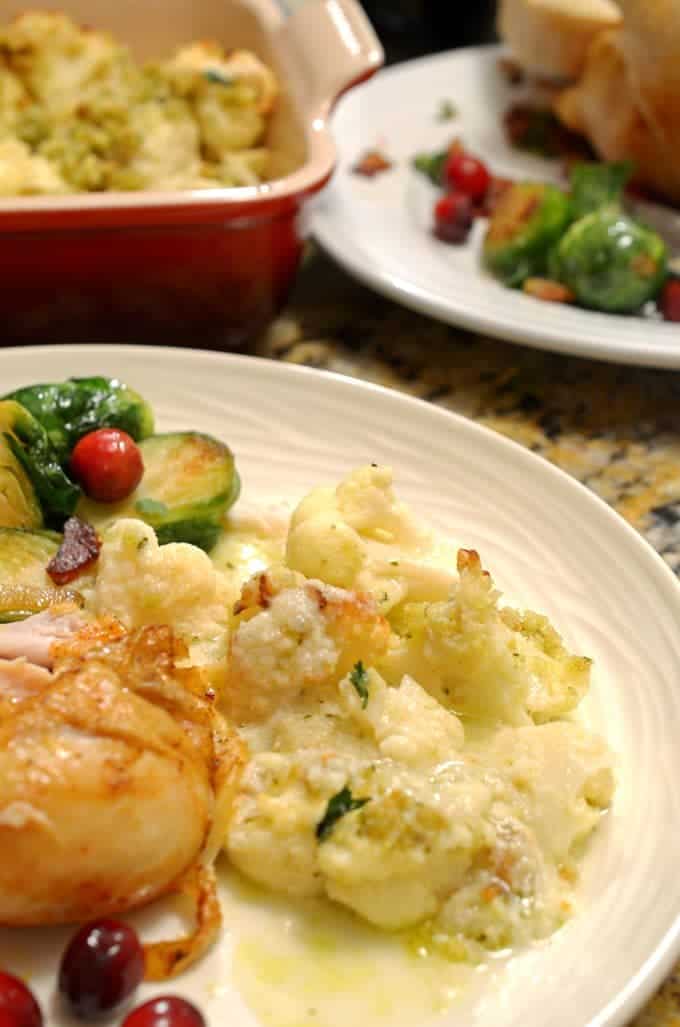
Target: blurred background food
x,y
617,75
79,114
551,37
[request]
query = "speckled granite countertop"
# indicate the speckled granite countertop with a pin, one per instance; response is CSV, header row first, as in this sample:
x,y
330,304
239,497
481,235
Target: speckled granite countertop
x,y
616,429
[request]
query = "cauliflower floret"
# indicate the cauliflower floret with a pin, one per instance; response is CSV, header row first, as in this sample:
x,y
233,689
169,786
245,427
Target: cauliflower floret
x,y
359,535
293,635
367,502
406,723
230,95
139,582
560,777
323,546
396,842
13,97
483,662
195,67
411,844
22,174
558,681
169,153
227,126
272,833
57,60
510,896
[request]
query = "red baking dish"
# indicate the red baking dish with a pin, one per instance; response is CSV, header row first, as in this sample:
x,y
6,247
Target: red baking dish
x,y
202,268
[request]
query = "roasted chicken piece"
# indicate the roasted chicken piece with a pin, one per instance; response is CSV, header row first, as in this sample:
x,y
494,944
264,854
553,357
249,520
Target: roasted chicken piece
x,y
115,774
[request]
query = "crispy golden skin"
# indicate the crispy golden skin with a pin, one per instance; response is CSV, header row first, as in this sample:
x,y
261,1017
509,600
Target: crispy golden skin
x,y
112,779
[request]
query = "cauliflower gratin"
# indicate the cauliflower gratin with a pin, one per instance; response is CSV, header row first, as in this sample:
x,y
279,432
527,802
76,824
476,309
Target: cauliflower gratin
x,y
366,721
78,114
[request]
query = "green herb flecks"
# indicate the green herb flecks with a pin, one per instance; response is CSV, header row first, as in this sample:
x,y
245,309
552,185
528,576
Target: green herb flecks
x,y
431,165
338,807
446,111
217,78
359,678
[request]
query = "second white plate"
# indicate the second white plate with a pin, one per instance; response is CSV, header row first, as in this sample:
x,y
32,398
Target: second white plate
x,y
379,229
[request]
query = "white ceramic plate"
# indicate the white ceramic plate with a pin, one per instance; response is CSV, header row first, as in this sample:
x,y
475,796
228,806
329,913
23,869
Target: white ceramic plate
x,y
379,229
551,544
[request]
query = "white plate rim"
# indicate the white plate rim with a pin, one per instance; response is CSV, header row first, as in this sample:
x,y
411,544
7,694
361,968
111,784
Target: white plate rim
x,y
330,230
654,970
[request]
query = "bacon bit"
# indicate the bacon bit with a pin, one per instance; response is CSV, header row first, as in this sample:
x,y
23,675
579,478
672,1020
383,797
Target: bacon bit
x,y
548,290
538,130
512,71
372,163
494,194
78,551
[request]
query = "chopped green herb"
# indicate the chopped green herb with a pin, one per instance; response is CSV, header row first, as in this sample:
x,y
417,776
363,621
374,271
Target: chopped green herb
x,y
212,75
150,506
596,185
447,111
359,678
341,804
431,165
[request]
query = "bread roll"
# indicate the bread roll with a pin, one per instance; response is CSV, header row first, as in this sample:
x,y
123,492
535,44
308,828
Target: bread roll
x,y
550,38
627,102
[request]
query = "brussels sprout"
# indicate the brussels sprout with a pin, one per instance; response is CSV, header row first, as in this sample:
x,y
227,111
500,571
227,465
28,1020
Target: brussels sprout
x,y
189,483
24,555
19,506
25,587
527,222
29,444
597,185
611,262
69,410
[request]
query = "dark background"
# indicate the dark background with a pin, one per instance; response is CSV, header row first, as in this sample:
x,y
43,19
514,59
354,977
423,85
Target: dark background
x,y
410,28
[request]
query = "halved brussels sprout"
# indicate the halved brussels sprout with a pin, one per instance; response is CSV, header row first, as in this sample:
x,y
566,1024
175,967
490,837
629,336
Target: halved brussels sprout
x,y
611,262
25,587
29,444
19,506
68,410
527,222
189,483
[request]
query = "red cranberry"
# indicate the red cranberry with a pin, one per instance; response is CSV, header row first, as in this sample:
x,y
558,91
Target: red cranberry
x,y
466,174
101,967
168,1011
670,300
18,1008
453,217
